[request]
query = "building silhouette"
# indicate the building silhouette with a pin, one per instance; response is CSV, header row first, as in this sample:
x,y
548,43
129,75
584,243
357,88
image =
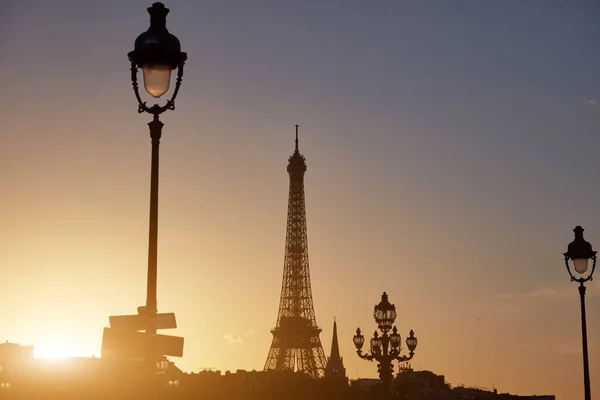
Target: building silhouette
x,y
411,384
470,393
14,358
335,370
80,378
296,344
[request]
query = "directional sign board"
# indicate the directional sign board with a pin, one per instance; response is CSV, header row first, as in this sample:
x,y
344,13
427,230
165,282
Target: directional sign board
x,y
128,344
122,345
169,345
138,322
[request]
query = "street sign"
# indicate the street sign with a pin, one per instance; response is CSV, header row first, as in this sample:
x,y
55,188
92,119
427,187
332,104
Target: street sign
x,y
138,322
169,345
122,344
132,345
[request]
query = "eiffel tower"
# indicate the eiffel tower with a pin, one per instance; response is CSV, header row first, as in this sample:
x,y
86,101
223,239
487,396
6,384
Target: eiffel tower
x,y
296,344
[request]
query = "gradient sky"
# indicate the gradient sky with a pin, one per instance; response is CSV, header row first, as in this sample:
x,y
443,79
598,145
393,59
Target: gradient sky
x,y
451,149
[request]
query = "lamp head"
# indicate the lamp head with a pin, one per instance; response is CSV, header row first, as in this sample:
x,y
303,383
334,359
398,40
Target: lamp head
x,y
395,338
358,339
157,52
579,251
384,314
411,341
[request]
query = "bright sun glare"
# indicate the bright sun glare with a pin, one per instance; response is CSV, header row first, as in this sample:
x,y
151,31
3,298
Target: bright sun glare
x,y
54,349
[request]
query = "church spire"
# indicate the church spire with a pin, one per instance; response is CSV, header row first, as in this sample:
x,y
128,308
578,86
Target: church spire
x,y
335,347
335,363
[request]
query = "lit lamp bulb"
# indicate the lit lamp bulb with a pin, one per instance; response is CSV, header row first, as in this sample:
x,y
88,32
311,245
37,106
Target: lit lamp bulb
x,y
580,265
157,78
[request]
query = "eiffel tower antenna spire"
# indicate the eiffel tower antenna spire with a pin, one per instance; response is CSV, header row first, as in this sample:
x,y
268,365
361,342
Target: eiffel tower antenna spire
x,y
296,151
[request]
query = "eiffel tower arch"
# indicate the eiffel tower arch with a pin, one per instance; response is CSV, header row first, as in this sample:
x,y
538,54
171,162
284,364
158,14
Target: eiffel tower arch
x,y
296,345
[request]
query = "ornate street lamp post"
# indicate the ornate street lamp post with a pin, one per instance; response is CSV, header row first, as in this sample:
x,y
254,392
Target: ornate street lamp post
x,y
385,348
580,253
157,52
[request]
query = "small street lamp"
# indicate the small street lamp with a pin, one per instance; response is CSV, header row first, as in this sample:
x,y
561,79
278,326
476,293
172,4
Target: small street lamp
x,y
157,52
580,252
385,348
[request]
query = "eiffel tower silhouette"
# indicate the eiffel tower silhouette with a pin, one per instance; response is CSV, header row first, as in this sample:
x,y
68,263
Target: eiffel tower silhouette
x,y
296,344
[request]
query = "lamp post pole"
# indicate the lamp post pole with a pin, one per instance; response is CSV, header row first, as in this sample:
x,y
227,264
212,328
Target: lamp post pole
x,y
151,291
586,365
580,252
385,348
157,52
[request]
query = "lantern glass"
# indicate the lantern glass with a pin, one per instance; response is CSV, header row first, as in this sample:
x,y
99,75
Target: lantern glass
x,y
373,345
157,79
395,339
580,265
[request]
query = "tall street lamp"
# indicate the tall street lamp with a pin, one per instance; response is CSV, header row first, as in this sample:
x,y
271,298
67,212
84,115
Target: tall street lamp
x,y
157,52
385,348
580,252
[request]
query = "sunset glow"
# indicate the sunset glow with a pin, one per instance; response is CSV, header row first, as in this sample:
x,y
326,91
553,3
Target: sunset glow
x,y
56,349
450,151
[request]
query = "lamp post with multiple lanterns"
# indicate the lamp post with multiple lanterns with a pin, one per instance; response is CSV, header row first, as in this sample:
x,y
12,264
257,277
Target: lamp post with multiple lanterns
x,y
157,52
577,259
385,348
